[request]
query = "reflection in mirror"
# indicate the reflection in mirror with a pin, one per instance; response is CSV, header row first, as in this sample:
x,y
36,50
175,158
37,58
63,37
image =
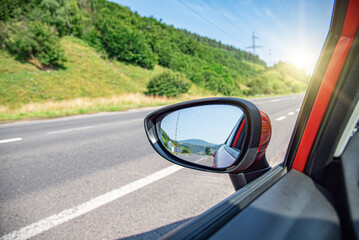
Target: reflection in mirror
x,y
210,135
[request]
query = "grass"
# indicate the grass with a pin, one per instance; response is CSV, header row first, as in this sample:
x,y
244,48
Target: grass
x,y
85,74
63,108
88,83
52,109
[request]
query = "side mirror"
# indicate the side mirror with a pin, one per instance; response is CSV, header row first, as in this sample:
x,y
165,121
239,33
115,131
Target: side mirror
x,y
225,135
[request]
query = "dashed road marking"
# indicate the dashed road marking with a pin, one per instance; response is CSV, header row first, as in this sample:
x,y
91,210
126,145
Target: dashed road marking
x,y
90,127
275,100
281,118
10,140
69,214
297,110
70,130
290,113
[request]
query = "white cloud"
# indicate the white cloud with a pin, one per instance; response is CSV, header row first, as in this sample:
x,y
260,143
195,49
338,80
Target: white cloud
x,y
268,12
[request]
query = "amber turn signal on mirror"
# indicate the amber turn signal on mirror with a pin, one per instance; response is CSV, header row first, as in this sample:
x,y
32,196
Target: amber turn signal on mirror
x,y
214,134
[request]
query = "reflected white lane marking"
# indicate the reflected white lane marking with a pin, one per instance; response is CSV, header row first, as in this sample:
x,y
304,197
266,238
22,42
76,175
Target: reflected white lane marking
x,y
290,113
275,100
281,118
69,214
10,140
89,127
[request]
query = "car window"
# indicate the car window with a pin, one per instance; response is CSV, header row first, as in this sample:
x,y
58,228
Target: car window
x,y
282,45
78,78
350,129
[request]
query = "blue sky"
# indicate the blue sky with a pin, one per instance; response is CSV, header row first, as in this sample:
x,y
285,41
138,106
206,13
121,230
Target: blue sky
x,y
293,30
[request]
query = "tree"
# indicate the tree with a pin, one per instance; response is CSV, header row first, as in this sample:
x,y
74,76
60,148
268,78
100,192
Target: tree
x,y
186,150
208,151
7,9
127,44
35,41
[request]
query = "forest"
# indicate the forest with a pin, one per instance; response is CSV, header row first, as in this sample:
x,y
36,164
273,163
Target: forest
x,y
31,31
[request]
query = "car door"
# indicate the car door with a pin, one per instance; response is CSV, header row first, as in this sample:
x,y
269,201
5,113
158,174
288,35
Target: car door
x,y
314,193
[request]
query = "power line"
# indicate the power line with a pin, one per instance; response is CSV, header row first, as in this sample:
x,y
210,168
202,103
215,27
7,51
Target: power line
x,y
201,16
224,16
254,46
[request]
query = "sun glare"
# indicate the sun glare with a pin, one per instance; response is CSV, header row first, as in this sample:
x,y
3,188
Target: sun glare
x,y
303,60
300,61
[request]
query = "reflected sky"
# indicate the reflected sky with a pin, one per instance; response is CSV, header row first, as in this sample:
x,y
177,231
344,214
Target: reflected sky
x,y
212,124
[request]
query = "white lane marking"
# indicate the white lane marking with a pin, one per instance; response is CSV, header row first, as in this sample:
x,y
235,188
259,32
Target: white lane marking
x,y
10,140
290,113
297,110
80,117
89,127
281,118
275,100
294,97
69,214
71,130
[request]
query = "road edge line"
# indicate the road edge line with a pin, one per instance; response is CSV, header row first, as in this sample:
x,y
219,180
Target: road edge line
x,y
71,213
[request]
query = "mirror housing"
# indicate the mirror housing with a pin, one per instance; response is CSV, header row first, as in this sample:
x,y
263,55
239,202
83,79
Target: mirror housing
x,y
254,144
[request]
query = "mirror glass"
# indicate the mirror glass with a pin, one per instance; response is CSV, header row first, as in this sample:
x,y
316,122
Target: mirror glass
x,y
209,135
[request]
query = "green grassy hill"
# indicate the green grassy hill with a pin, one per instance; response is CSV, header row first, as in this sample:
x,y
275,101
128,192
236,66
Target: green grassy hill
x,y
85,74
87,83
67,57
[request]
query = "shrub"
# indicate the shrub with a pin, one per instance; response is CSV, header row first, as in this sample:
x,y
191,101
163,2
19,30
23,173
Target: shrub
x,y
128,45
179,62
299,87
36,41
216,83
198,79
164,53
167,84
93,38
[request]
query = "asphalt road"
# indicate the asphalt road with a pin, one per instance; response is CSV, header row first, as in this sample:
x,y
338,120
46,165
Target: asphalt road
x,y
97,177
